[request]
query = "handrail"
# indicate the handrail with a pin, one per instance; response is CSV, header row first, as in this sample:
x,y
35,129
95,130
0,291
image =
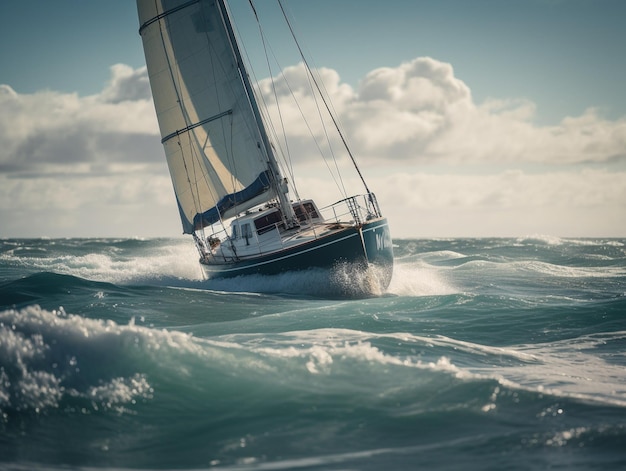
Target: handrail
x,y
347,211
359,213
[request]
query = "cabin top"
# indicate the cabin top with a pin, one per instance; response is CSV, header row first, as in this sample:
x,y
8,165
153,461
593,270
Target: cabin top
x,y
268,219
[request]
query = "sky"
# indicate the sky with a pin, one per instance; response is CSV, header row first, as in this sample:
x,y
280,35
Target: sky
x,y
470,118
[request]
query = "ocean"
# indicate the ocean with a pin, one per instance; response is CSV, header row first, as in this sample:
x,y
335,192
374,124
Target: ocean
x,y
503,354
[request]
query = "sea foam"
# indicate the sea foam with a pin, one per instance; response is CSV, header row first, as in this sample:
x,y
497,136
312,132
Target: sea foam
x,y
50,358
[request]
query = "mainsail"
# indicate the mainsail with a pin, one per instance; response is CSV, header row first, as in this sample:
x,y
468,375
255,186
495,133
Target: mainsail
x,y
214,144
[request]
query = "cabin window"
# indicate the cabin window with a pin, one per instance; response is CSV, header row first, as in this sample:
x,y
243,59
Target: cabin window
x,y
268,222
234,234
305,211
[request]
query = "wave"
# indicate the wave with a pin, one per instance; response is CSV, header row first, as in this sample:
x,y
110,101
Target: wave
x,y
338,353
542,239
171,263
420,279
109,260
422,267
565,271
478,346
551,240
257,393
52,360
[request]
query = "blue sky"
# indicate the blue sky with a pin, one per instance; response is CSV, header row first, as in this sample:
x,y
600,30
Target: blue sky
x,y
535,68
565,55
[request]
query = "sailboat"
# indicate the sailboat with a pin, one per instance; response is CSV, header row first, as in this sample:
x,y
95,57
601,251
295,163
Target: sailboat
x,y
232,197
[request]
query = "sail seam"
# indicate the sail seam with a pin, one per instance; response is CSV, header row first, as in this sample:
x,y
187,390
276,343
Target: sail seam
x,y
195,125
166,13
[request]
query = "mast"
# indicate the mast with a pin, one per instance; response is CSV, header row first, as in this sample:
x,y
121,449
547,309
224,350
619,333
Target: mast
x,y
280,183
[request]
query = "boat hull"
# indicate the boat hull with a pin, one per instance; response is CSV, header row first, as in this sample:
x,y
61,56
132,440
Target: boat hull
x,y
357,247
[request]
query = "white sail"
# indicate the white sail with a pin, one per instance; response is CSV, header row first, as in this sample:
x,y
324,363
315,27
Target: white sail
x,y
212,141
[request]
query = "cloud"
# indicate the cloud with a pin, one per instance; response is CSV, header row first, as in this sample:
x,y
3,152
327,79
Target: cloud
x,y
399,111
423,84
84,166
583,203
112,205
50,130
419,112
441,164
127,84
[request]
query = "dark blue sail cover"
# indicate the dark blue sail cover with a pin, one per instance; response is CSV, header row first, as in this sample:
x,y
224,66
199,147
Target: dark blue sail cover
x,y
256,188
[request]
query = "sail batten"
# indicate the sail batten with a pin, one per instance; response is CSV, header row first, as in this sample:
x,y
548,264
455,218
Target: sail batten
x,y
165,13
208,127
195,125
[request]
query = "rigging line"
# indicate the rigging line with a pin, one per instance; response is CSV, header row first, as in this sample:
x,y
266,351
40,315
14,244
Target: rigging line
x,y
330,147
245,81
282,193
342,187
226,128
284,161
276,179
268,122
336,174
340,184
214,57
287,154
253,131
235,178
332,116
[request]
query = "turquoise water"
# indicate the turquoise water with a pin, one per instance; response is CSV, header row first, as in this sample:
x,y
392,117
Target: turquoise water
x,y
482,354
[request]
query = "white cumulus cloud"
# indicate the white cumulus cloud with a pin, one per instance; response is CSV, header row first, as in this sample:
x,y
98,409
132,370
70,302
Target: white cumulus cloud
x,y
420,112
50,130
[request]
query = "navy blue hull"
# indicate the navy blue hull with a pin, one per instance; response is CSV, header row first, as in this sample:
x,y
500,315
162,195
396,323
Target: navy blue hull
x,y
369,244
